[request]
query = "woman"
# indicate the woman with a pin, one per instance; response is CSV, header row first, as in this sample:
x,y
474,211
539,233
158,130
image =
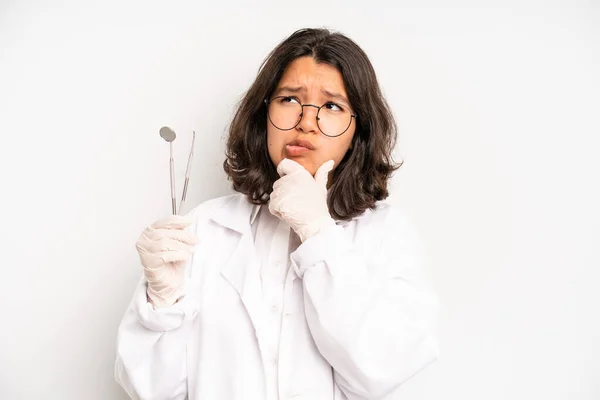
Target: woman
x,y
305,285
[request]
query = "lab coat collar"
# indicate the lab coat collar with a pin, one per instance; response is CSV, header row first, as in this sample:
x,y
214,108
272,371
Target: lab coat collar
x,y
242,269
255,211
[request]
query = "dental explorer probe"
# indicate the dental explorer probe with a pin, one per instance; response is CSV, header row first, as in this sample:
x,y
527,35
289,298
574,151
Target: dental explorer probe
x,y
187,173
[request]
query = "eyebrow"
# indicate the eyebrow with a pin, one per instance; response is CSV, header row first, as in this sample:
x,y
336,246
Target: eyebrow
x,y
335,96
290,89
296,89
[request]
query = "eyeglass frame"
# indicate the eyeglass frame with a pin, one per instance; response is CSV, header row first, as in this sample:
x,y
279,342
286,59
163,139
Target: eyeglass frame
x,y
268,102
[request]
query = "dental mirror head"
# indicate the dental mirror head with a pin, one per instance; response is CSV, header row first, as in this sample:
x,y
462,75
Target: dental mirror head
x,y
167,133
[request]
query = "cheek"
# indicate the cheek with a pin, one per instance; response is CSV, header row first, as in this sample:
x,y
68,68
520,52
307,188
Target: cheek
x,y
274,144
338,149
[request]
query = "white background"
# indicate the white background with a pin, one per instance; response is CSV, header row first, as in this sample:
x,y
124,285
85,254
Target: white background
x,y
498,107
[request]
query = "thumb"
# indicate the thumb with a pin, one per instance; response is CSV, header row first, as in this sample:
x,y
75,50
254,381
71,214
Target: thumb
x,y
322,174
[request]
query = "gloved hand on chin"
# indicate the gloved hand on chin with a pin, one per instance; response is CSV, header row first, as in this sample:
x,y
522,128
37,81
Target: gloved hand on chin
x,y
301,200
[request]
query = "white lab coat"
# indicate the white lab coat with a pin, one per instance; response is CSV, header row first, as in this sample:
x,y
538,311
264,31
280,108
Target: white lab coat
x,y
356,315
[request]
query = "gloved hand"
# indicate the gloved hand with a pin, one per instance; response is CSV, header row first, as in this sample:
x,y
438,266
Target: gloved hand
x,y
164,247
301,200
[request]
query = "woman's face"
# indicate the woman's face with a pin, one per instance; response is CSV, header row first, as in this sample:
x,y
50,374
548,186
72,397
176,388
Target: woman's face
x,y
307,82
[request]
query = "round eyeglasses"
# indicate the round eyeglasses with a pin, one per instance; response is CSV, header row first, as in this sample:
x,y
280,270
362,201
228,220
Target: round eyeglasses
x,y
285,113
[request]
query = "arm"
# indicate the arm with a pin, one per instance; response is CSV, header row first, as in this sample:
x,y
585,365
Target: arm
x,y
153,335
151,348
368,313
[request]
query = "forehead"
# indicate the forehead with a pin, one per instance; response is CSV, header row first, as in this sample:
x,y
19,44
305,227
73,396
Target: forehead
x,y
309,74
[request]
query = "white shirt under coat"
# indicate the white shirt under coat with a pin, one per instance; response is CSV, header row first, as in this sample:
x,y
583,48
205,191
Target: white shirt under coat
x,y
343,316
274,241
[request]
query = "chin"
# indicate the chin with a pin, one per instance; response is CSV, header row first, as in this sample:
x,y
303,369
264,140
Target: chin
x,y
307,164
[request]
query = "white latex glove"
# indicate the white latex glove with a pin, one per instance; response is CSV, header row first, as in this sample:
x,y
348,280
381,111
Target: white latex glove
x,y
164,247
301,200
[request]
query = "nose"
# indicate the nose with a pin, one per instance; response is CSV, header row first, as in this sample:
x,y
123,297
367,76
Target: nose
x,y
308,121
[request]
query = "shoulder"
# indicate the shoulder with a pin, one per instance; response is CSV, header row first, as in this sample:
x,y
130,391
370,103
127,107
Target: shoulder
x,y
384,214
387,221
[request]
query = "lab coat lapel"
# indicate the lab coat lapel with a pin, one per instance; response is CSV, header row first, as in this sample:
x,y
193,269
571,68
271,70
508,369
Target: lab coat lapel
x,y
242,269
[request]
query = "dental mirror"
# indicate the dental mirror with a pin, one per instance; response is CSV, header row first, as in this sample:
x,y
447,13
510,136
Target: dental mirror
x,y
169,135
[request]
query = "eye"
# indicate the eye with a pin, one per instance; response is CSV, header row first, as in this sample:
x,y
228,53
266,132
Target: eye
x,y
287,99
333,107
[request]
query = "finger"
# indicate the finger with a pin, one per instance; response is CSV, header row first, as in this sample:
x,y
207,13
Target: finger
x,y
173,256
175,245
159,268
173,222
164,258
275,213
274,206
182,236
322,174
174,234
286,190
287,166
282,182
166,244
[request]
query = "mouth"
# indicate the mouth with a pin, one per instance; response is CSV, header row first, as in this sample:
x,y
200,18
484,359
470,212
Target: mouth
x,y
298,147
302,143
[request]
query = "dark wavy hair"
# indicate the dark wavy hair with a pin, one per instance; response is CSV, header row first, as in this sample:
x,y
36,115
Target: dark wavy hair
x,y
361,177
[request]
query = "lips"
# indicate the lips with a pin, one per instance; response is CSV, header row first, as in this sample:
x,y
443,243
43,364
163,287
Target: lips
x,y
298,148
302,143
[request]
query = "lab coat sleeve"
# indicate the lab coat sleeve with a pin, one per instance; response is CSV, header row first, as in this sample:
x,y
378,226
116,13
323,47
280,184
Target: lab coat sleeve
x,y
369,310
151,348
